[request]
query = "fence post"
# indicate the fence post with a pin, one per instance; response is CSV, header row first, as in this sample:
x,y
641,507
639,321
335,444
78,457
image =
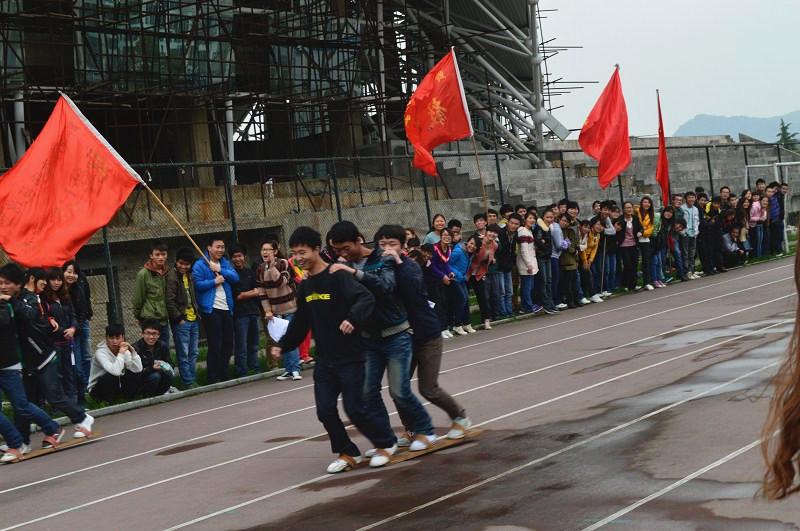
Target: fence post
x,y
112,310
336,191
621,197
710,175
563,174
780,168
746,170
229,198
425,193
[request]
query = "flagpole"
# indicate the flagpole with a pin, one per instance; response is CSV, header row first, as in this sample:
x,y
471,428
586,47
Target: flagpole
x,y
480,176
175,220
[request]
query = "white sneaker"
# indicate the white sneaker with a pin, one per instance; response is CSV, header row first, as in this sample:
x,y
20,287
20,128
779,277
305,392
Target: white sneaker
x,y
596,298
487,324
171,391
649,287
422,442
25,449
404,441
469,329
459,428
83,429
584,301
284,376
460,331
297,376
382,456
561,306
344,462
606,294
446,334
12,455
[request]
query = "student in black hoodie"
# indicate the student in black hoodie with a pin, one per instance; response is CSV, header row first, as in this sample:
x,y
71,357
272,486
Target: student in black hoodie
x,y
157,369
334,306
58,306
38,352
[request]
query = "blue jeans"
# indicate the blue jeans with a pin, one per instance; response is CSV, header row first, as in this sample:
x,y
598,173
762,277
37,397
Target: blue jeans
x,y
346,380
24,412
657,266
610,283
679,265
547,284
757,240
457,303
10,434
83,352
291,359
187,340
165,334
555,271
526,292
47,382
495,286
506,293
598,277
245,354
393,356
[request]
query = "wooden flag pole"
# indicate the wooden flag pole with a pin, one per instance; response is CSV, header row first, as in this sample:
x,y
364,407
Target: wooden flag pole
x,y
177,223
480,176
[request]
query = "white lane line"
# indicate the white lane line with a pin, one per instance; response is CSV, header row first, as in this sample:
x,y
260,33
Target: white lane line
x,y
556,453
471,345
499,476
490,384
268,450
673,486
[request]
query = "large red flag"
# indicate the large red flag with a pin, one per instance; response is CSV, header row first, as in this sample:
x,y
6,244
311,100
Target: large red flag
x,y
437,112
662,167
604,135
69,183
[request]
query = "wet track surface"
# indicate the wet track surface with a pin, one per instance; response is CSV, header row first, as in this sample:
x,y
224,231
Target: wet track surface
x,y
586,415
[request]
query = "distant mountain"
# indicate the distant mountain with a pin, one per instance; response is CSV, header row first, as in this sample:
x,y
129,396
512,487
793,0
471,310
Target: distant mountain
x,y
764,129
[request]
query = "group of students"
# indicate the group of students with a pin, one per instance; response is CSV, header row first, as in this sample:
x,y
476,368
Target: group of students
x,y
551,260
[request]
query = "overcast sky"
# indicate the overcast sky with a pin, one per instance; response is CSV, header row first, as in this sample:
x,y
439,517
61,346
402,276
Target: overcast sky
x,y
726,57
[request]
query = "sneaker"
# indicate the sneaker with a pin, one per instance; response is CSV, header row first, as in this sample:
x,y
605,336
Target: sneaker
x,y
172,390
459,428
296,376
487,324
469,329
551,311
51,441
284,376
460,331
584,301
382,456
83,429
536,309
12,455
446,334
638,288
649,287
561,306
344,462
404,441
422,442
596,298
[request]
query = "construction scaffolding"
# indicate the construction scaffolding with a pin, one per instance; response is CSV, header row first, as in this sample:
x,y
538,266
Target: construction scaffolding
x,y
223,80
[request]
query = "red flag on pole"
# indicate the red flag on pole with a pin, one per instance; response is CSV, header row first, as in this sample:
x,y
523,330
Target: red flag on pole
x,y
437,112
69,183
662,167
604,135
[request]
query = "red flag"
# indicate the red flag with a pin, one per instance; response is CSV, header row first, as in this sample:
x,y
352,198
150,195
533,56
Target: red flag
x,y
662,167
69,183
604,135
437,112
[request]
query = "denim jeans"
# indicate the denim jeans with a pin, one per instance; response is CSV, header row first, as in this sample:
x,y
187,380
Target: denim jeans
x,y
757,240
657,266
506,293
346,380
245,354
47,382
689,249
547,284
83,352
610,282
679,264
291,359
13,388
598,277
11,435
555,287
164,334
393,356
526,292
457,304
187,340
156,383
495,286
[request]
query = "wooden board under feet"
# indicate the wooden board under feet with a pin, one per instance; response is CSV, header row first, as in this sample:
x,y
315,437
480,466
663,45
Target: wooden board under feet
x,y
63,445
404,454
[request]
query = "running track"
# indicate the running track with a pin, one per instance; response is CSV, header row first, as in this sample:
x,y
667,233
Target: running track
x,y
639,413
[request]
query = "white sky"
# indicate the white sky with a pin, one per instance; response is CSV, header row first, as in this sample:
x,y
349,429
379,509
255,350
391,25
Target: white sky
x,y
725,57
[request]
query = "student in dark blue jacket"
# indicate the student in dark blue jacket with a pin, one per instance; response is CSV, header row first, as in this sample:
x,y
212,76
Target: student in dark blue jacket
x,y
427,340
213,278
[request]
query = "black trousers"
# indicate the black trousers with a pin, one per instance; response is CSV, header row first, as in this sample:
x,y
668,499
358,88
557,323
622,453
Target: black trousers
x,y
569,288
109,387
647,255
481,289
219,335
629,257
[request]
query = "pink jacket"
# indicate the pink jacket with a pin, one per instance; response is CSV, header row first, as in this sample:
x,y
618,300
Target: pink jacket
x,y
756,214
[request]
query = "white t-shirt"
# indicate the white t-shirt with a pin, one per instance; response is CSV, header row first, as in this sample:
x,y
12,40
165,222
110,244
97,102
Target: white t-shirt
x,y
220,300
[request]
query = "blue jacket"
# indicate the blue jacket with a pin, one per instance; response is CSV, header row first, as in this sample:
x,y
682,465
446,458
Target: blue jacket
x,y
389,316
411,286
459,263
204,285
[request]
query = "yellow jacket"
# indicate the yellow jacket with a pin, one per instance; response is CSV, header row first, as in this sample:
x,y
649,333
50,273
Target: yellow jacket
x,y
592,242
647,223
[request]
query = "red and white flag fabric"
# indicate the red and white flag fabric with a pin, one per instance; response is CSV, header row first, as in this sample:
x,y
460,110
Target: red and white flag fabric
x,y
437,112
604,135
662,166
69,183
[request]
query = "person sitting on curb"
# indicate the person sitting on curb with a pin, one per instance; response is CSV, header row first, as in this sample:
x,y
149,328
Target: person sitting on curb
x,y
157,372
116,368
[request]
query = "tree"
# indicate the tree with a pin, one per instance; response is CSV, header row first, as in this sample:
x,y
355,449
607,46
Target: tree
x,y
785,137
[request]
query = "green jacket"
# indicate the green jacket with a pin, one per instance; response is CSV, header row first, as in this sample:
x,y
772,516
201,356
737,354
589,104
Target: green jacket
x,y
569,258
149,297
